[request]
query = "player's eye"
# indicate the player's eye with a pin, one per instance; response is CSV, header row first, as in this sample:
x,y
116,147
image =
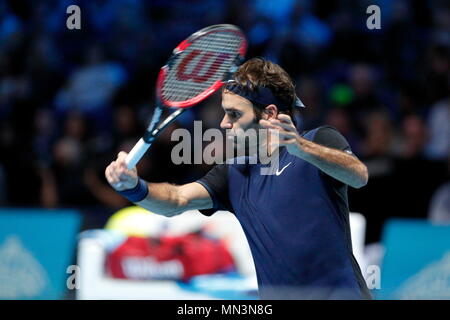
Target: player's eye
x,y
233,114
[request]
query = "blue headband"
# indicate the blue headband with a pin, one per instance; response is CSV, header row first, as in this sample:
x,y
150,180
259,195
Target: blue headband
x,y
262,95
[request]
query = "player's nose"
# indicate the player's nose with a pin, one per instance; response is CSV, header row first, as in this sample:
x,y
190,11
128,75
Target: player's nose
x,y
225,123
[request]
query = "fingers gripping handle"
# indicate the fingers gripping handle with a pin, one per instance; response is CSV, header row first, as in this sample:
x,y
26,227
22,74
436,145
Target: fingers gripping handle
x,y
136,153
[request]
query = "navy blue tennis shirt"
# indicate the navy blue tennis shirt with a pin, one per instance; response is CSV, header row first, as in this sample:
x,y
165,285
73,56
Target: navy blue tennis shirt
x,y
296,222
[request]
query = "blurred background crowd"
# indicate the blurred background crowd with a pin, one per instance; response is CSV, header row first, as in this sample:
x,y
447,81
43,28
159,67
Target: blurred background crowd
x,y
70,100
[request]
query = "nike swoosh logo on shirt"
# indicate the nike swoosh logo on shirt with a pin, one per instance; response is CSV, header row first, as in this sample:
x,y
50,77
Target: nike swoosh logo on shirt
x,y
279,172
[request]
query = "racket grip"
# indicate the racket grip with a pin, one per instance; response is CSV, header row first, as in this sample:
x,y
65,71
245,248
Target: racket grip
x,y
136,153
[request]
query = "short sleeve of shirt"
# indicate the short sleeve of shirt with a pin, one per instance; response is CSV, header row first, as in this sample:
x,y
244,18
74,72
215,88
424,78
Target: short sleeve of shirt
x,y
216,183
329,137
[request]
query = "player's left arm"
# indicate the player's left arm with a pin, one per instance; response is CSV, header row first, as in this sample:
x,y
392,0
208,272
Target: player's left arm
x,y
337,163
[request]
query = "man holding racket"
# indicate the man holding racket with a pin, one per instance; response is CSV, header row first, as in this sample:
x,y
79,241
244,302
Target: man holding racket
x,y
296,220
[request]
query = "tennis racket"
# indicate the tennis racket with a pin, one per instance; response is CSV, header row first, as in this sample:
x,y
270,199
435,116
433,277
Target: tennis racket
x,y
198,67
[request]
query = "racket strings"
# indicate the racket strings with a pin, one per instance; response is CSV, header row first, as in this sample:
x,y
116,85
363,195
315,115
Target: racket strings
x,y
204,62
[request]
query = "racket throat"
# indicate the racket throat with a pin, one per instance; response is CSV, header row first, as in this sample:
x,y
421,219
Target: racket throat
x,y
148,137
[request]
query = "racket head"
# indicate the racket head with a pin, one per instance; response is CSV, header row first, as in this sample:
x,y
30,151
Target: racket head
x,y
200,65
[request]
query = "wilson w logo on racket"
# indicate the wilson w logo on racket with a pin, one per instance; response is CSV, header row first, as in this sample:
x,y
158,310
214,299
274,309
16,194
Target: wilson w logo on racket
x,y
198,67
197,73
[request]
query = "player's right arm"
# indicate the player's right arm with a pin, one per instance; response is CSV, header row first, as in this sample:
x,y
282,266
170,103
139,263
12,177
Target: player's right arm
x,y
162,198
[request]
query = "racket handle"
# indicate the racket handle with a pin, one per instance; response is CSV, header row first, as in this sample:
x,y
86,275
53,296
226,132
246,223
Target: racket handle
x,y
136,153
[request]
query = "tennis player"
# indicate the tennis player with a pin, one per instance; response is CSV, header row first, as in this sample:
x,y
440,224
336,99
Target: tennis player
x,y
296,220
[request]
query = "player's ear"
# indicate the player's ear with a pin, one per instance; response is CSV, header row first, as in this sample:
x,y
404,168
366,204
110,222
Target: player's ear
x,y
271,111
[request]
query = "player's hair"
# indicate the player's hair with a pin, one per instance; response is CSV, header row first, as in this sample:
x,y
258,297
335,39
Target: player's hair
x,y
263,73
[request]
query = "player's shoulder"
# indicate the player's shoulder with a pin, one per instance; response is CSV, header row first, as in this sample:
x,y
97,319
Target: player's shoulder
x,y
322,131
221,167
328,136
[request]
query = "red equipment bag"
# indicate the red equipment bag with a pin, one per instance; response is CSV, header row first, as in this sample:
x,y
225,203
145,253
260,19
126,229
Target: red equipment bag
x,y
176,258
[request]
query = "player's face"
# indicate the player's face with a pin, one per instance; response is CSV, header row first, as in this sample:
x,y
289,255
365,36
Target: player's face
x,y
239,118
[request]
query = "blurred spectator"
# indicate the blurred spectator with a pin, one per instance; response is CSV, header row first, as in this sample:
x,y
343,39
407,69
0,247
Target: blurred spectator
x,y
126,124
415,176
339,119
63,180
45,134
439,211
365,98
438,126
378,142
310,32
414,137
309,91
44,66
9,23
377,151
91,88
